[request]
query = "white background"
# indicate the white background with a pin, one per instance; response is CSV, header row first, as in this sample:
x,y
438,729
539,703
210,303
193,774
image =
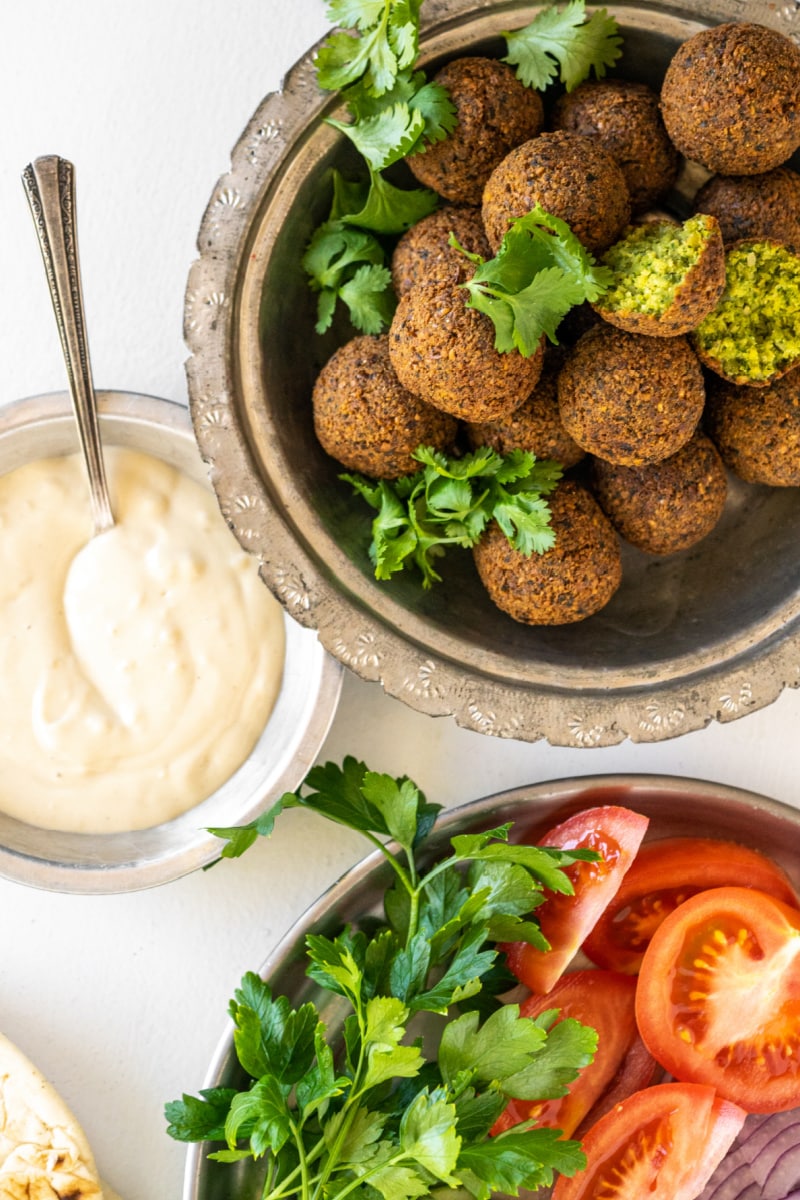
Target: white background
x,y
121,1000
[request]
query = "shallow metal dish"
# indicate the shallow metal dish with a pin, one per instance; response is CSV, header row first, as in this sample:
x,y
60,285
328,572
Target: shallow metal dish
x,y
710,633
43,426
675,807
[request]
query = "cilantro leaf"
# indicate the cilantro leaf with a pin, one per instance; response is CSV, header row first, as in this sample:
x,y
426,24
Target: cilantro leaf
x,y
369,299
387,136
389,209
348,264
565,41
386,41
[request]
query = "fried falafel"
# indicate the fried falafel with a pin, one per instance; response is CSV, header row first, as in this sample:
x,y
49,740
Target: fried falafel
x,y
571,581
629,398
571,177
665,506
754,206
495,113
366,419
757,431
424,254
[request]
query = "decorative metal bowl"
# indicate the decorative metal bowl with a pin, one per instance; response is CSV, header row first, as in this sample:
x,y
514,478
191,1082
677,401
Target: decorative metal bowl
x,y
676,807
710,633
44,426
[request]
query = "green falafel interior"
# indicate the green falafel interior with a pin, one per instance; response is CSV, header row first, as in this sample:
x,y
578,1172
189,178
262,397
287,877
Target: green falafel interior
x,y
539,273
450,501
753,334
651,261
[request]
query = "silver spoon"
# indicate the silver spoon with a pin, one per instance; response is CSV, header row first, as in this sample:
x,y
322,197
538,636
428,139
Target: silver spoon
x,y
49,184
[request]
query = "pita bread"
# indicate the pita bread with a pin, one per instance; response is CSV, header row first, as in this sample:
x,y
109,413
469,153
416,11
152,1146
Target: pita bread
x,y
44,1154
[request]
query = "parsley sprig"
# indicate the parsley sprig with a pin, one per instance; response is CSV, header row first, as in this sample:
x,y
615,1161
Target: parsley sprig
x,y
564,41
450,501
372,1114
539,273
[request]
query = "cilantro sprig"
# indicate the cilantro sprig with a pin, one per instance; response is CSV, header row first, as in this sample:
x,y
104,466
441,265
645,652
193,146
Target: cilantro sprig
x,y
564,41
393,1106
450,501
539,273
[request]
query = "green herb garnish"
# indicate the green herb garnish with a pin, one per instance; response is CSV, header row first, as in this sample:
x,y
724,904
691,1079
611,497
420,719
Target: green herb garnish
x,y
368,1112
539,273
564,41
451,501
385,41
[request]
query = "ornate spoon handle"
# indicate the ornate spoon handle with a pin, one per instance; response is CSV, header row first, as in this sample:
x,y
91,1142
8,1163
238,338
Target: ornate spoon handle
x,y
49,183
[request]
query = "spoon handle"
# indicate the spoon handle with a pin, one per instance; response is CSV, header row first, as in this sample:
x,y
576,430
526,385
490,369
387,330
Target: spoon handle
x,y
49,184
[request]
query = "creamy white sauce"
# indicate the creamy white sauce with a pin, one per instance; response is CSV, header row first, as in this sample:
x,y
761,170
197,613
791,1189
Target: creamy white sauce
x,y
137,668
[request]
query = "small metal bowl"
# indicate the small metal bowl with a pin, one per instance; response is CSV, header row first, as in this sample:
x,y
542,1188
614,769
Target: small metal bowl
x,y
41,427
676,807
710,633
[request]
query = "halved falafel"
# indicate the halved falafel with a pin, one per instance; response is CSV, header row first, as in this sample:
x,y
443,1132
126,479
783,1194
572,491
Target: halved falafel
x,y
571,581
665,506
443,352
753,334
757,431
731,98
495,113
624,118
366,419
667,277
571,177
424,254
630,398
754,206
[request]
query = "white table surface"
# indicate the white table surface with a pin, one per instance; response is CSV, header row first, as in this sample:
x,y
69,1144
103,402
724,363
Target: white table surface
x,y
121,1000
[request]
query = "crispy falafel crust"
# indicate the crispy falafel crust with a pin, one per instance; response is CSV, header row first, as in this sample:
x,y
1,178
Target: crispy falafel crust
x,y
731,98
629,398
754,207
668,505
366,419
424,254
495,113
624,118
571,177
444,352
758,432
569,582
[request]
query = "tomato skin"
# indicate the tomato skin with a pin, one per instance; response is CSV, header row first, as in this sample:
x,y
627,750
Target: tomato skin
x,y
663,875
605,1001
663,1143
718,997
637,1070
616,833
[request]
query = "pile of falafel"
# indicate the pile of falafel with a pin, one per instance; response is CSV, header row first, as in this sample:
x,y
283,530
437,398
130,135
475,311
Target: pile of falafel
x,y
688,365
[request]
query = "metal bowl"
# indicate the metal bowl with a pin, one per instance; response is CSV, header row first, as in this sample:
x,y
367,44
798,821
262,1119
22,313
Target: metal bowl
x,y
44,426
675,807
709,633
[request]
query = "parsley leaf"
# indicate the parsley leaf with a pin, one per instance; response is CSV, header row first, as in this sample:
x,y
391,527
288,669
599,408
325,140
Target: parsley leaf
x,y
451,501
564,39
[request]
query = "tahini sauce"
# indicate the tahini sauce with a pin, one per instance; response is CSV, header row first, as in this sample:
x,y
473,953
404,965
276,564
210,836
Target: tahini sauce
x,y
137,668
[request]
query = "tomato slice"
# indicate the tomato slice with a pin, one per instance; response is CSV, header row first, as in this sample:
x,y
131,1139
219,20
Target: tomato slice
x,y
663,1143
604,1000
664,874
616,834
637,1070
718,997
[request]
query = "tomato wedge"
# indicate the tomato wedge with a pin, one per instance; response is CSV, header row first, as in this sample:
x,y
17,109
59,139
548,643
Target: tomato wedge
x,y
662,1143
718,997
664,874
604,1000
616,834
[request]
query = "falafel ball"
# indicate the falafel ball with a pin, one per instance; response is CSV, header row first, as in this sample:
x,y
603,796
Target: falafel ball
x,y
731,98
629,398
569,582
758,432
366,419
424,254
754,206
535,426
624,118
571,177
668,505
443,352
667,277
495,113
752,336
